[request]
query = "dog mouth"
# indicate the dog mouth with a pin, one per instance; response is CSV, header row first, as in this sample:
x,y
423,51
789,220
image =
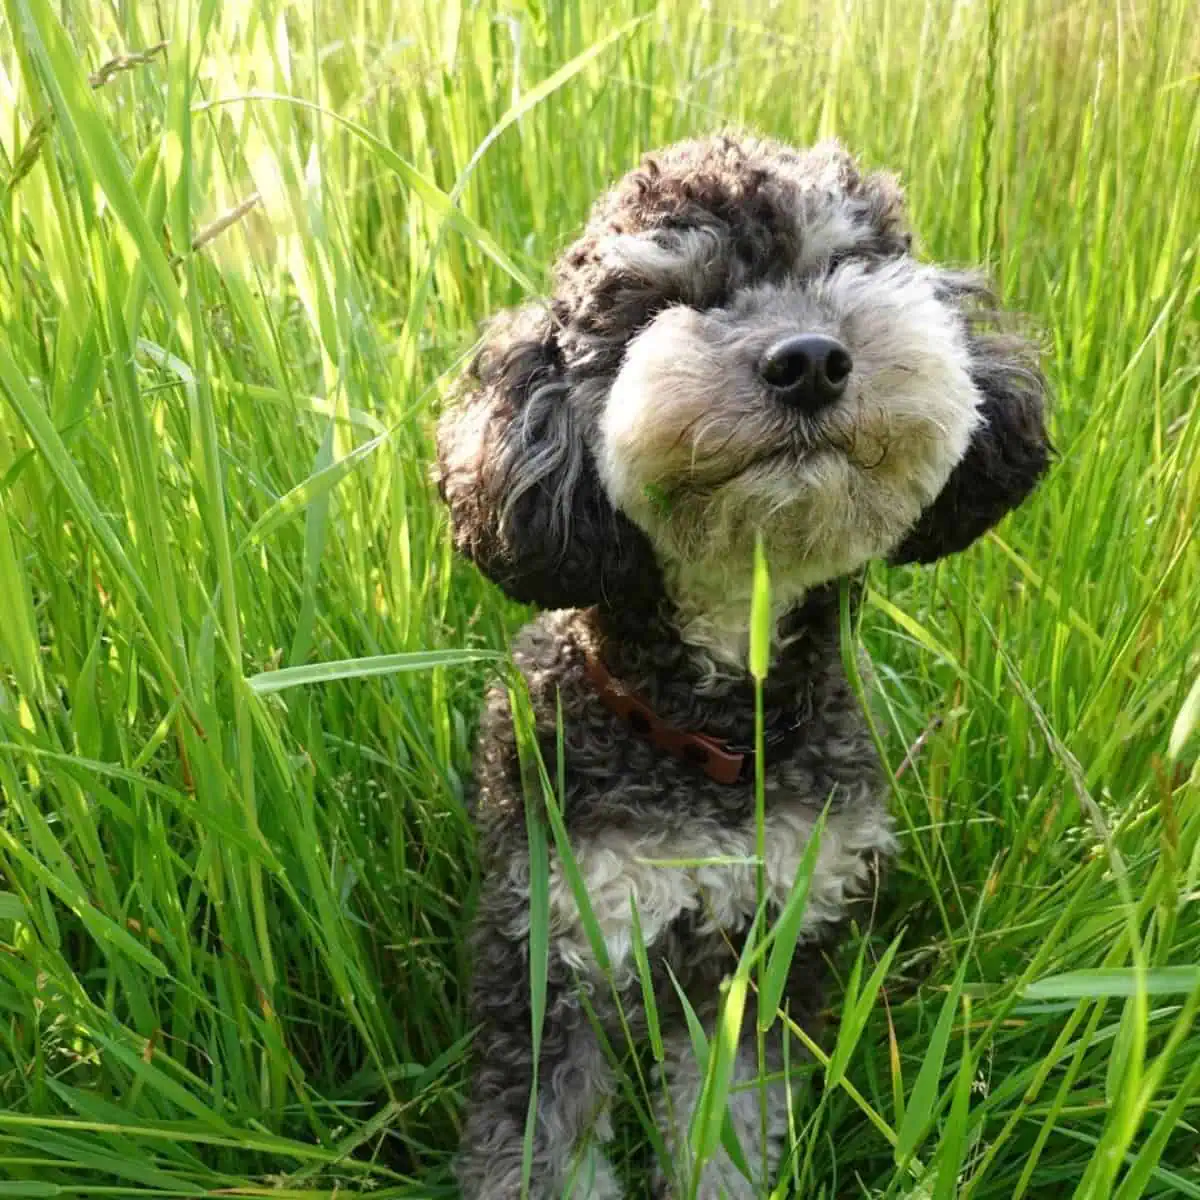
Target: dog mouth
x,y
862,453
777,461
788,452
859,437
801,446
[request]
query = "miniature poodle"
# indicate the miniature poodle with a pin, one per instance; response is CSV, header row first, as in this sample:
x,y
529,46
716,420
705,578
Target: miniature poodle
x,y
740,346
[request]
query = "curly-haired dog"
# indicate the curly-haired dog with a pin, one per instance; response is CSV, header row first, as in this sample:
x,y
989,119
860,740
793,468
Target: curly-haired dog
x,y
740,344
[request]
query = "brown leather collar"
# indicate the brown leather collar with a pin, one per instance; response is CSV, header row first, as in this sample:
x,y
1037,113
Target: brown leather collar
x,y
711,755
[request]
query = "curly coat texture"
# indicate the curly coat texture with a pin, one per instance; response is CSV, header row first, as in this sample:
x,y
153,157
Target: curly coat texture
x,y
612,459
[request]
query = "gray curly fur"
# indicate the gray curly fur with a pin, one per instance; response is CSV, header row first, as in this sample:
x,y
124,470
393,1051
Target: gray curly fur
x,y
714,225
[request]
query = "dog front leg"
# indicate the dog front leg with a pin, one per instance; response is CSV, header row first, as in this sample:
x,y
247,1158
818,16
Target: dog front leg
x,y
575,1087
720,1179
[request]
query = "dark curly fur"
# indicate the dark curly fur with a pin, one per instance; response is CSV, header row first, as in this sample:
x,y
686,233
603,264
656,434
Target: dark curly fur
x,y
745,234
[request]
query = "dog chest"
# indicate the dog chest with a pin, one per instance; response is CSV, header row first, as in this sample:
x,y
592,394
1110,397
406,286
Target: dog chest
x,y
710,873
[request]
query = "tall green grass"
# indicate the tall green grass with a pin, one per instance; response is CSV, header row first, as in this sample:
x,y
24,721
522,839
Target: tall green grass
x,y
235,274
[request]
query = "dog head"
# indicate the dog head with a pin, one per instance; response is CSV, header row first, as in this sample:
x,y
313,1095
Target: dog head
x,y
739,345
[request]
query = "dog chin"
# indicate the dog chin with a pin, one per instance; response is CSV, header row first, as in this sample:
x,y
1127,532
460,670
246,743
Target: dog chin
x,y
821,513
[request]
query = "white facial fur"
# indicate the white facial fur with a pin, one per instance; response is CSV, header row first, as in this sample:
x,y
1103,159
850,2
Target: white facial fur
x,y
700,454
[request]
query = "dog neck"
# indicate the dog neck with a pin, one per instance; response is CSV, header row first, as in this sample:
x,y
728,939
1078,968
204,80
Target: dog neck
x,y
648,655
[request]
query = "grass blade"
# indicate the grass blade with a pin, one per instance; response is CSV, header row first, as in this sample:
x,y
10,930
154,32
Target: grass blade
x,y
786,932
1090,984
918,1113
363,668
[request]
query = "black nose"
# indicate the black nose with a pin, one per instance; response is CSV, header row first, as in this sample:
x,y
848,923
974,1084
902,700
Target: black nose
x,y
808,370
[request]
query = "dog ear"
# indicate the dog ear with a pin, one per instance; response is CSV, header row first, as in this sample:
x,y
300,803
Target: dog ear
x,y
526,504
1006,457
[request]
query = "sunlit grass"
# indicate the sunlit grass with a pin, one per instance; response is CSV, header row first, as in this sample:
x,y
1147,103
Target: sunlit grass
x,y
235,276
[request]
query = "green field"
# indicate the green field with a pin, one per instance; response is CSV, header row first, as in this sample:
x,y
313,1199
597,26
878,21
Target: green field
x,y
231,916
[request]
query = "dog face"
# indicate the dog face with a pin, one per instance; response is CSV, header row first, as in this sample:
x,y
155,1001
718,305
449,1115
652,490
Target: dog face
x,y
740,344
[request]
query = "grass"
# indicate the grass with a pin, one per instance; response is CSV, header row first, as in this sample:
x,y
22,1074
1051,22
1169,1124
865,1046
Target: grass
x,y
230,912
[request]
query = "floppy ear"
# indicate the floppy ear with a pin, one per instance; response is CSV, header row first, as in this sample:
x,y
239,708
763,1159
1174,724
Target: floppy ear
x,y
1007,455
526,504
